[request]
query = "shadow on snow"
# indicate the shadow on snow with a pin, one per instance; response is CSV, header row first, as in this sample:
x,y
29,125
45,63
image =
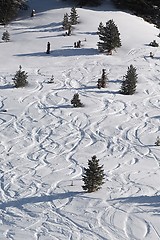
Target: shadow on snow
x,y
38,199
62,53
153,201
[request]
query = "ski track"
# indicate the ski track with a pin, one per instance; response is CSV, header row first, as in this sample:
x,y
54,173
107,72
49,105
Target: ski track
x,y
33,202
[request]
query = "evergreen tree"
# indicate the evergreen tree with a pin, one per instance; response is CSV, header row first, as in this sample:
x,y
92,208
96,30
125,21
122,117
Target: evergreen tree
x,y
76,101
65,22
9,8
93,176
6,36
102,82
100,28
129,82
109,37
20,78
73,16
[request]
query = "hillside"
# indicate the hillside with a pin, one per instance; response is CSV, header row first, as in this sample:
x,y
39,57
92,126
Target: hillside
x,y
46,143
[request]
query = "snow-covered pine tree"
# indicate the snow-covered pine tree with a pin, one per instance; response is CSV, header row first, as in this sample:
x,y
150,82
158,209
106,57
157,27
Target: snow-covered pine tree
x,y
93,176
6,36
73,17
65,22
129,81
109,38
76,101
20,78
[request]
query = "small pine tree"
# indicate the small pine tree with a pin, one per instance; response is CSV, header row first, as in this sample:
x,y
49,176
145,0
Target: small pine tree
x,y
65,22
157,143
6,36
20,78
129,82
109,37
73,16
102,82
76,101
93,176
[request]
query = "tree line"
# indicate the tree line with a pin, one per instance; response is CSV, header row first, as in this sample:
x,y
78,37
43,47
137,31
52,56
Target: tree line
x,y
9,9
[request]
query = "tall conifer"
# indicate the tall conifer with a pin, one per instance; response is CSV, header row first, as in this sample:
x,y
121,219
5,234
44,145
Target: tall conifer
x,y
129,82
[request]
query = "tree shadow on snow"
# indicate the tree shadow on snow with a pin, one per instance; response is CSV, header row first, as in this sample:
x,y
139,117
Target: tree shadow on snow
x,y
62,53
57,107
153,201
38,199
7,86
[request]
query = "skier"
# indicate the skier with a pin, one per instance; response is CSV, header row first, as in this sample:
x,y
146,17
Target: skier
x,y
48,48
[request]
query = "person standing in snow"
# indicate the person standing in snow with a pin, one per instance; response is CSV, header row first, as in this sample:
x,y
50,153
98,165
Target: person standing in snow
x,y
33,13
48,48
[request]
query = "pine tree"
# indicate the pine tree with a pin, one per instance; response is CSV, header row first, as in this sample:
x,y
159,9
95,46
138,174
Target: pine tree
x,y
76,101
93,176
20,78
100,28
102,82
65,22
73,16
109,37
129,82
9,8
6,36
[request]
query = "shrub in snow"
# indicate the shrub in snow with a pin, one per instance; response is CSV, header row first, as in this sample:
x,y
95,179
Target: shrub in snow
x,y
20,78
93,176
76,101
129,81
102,82
154,44
109,37
157,143
6,36
73,16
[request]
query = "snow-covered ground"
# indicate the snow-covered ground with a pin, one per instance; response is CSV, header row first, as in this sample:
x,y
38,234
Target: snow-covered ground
x,y
45,143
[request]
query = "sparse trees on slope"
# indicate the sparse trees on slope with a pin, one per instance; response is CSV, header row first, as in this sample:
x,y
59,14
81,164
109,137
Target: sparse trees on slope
x,y
6,36
93,176
20,78
109,37
129,82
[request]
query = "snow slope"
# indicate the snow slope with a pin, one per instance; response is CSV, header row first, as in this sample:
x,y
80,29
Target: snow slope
x,y
45,143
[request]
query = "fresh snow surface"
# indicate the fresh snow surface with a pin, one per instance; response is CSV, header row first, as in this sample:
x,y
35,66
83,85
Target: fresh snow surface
x,y
45,143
